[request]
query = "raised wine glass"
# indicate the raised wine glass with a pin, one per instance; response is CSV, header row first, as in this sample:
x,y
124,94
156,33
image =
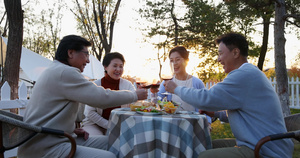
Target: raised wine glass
x,y
167,72
140,82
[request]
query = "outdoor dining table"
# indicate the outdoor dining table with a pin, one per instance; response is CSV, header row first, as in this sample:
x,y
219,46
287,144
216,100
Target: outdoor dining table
x,y
131,134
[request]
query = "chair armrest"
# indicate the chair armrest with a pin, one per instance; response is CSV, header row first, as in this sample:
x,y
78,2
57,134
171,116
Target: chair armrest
x,y
16,132
62,133
262,141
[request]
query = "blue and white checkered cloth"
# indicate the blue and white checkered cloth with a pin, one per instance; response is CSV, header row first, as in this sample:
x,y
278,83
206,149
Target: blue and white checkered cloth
x,y
136,135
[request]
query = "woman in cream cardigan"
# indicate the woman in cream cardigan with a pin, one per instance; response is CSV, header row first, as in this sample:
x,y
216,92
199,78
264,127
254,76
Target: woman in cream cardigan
x,y
96,119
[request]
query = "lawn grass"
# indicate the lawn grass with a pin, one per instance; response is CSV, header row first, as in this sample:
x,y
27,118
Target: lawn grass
x,y
222,130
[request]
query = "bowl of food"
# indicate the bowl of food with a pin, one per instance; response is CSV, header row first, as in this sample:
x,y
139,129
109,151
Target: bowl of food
x,y
163,103
170,107
171,110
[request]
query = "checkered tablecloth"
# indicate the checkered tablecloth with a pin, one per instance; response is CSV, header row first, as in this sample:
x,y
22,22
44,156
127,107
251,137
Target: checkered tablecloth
x,y
136,135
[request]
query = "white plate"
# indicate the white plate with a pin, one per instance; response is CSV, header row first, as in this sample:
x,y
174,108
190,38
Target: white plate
x,y
149,113
184,112
125,109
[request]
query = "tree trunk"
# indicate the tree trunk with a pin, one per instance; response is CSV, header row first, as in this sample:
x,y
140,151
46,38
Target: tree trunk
x,y
176,26
280,65
14,45
264,47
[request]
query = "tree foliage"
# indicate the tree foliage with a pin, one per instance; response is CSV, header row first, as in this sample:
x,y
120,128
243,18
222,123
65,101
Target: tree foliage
x,y
270,73
292,16
96,20
165,23
42,28
205,22
246,13
294,72
195,25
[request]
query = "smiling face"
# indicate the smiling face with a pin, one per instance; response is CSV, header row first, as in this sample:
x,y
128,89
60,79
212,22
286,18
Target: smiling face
x,y
179,63
78,59
115,69
227,57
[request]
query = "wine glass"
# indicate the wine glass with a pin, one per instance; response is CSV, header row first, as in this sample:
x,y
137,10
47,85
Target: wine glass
x,y
140,82
167,72
154,89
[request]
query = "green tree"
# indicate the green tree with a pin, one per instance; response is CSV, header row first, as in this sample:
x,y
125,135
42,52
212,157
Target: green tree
x,y
195,25
249,12
285,11
294,72
42,29
96,20
205,22
270,73
166,23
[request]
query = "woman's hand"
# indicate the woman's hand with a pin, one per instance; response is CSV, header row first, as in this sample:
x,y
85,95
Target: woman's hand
x,y
81,133
142,94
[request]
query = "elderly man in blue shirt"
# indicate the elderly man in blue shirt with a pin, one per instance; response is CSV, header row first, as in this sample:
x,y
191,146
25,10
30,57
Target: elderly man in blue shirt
x,y
253,107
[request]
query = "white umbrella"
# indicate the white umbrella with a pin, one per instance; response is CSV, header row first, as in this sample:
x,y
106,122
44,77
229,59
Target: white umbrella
x,y
32,64
93,70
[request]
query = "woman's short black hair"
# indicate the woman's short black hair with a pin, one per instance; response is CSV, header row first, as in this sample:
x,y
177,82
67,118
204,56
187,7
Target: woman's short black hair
x,y
70,42
110,56
234,40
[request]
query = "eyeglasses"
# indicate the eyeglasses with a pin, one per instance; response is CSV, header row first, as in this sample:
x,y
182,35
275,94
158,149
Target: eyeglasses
x,y
85,52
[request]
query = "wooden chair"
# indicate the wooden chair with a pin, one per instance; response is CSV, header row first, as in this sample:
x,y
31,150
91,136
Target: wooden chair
x,y
14,132
293,127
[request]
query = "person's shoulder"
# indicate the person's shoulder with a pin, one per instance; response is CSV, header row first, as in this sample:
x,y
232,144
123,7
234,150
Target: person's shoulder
x,y
98,82
196,79
68,72
245,68
197,83
71,71
246,72
251,69
126,84
60,68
